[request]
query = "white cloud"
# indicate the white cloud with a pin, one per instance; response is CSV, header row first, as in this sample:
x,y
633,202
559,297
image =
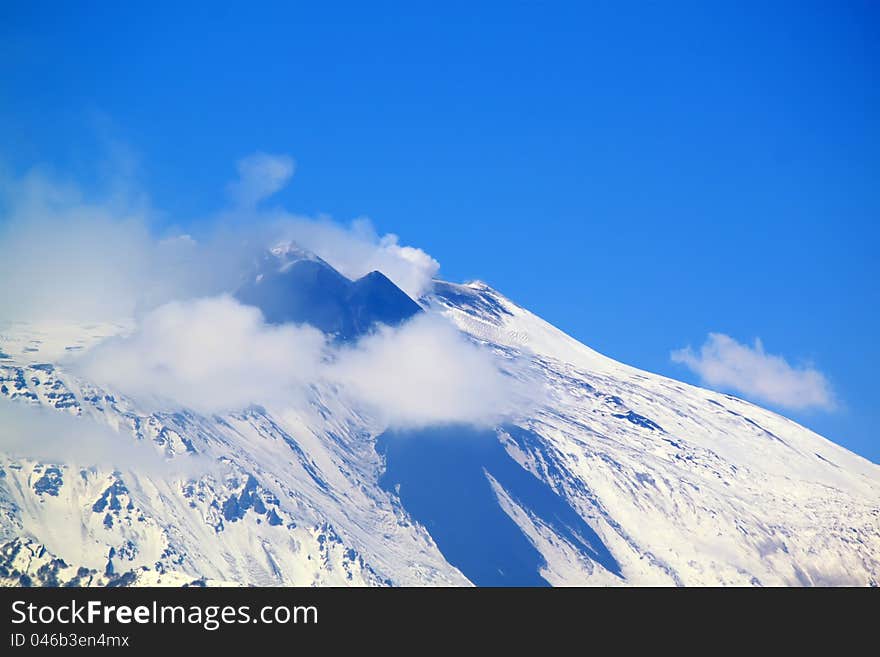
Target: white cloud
x,y
357,250
43,434
60,255
66,255
260,175
216,355
424,373
210,355
724,363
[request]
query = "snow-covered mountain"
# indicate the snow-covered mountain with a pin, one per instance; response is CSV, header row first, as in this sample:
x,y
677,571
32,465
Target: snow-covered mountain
x,y
619,477
289,284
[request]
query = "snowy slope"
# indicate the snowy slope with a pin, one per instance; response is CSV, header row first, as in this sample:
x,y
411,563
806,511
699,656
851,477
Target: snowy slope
x,y
685,485
620,478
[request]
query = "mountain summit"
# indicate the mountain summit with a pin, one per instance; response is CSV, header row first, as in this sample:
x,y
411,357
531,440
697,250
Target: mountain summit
x,y
290,284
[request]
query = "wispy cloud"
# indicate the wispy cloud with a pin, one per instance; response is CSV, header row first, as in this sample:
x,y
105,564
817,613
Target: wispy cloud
x,y
65,254
260,175
40,433
215,355
211,355
357,249
724,363
426,373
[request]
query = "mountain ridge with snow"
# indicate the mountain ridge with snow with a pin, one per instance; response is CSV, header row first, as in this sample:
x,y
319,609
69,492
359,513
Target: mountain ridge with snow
x,y
616,477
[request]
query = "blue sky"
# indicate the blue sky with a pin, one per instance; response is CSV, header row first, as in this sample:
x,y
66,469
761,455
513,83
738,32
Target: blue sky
x,y
639,175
